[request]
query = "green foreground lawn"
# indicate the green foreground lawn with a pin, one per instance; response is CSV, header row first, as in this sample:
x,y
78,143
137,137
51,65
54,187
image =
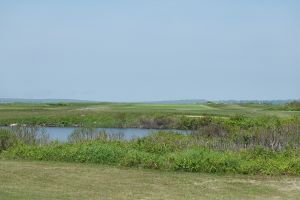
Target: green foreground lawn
x,y
50,180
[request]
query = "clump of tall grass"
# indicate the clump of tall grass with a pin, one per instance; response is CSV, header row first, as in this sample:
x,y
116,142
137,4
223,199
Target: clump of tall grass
x,y
6,139
88,133
21,134
30,135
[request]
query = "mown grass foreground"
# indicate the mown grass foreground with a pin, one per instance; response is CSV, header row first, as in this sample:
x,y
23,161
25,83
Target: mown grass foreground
x,y
54,180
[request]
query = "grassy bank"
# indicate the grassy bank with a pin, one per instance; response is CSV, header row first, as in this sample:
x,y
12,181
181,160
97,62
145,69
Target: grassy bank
x,y
52,180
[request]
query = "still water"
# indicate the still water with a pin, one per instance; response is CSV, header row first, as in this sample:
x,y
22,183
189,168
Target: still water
x,y
61,134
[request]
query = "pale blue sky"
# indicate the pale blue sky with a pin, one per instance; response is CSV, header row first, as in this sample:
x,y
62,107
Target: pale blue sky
x,y
150,50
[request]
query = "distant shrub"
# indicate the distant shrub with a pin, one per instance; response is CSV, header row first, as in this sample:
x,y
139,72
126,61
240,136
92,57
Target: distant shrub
x,y
293,106
211,130
158,121
189,123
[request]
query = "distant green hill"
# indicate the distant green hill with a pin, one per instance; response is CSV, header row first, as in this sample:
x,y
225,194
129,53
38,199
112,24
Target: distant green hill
x,y
186,101
20,100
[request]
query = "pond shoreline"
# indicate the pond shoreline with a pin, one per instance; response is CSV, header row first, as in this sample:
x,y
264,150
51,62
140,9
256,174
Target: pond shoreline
x,y
61,134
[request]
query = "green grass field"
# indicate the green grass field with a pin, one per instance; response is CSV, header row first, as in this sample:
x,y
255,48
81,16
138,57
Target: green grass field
x,y
198,109
51,180
125,114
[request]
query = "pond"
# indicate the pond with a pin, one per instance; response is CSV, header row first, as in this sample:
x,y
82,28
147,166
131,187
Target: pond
x,y
61,134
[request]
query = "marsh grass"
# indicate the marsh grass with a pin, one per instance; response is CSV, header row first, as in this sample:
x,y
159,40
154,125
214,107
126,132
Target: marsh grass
x,y
217,146
11,136
273,134
6,139
30,135
166,151
89,133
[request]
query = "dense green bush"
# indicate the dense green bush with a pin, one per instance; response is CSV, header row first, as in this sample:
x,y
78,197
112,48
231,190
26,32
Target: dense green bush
x,y
199,160
88,152
161,142
135,158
